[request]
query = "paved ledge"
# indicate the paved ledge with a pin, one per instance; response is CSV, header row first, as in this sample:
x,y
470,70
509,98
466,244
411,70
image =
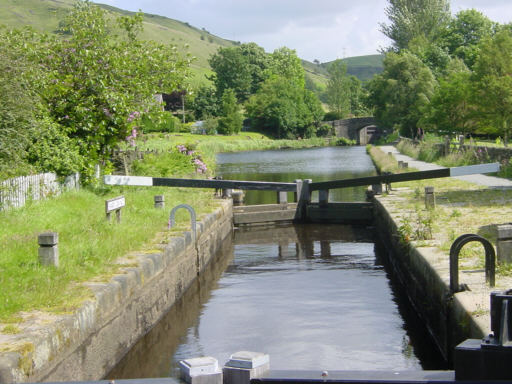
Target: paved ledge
x,y
86,344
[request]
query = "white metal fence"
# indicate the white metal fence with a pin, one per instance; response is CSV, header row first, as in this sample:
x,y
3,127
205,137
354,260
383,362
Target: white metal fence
x,y
17,191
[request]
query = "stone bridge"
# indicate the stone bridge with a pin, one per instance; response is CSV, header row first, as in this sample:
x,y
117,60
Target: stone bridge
x,y
361,129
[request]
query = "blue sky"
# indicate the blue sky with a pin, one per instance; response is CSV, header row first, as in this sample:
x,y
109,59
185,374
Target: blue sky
x,y
320,29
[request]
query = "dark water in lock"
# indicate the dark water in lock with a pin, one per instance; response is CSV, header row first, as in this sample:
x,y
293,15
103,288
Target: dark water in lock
x,y
314,297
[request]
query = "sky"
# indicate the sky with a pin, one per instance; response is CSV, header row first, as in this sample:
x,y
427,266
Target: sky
x,y
322,30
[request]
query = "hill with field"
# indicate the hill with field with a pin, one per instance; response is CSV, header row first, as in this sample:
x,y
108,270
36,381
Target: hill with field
x,y
45,16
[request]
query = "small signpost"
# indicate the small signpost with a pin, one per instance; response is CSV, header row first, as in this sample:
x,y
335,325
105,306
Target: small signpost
x,y
114,204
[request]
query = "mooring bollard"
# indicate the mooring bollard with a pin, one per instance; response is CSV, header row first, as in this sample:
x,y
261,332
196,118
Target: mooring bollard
x,y
377,189
323,197
226,193
48,248
430,198
504,243
282,197
159,201
238,196
201,370
244,366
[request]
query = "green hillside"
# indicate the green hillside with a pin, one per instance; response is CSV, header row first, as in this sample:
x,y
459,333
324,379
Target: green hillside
x,y
362,67
45,15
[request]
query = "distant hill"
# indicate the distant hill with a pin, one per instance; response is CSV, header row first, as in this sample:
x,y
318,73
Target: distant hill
x,y
45,15
362,67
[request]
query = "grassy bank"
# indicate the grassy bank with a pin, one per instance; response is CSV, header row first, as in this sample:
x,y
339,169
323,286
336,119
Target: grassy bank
x,y
461,208
208,146
428,150
88,245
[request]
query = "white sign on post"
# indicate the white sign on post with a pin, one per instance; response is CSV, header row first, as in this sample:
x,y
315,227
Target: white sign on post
x,y
115,204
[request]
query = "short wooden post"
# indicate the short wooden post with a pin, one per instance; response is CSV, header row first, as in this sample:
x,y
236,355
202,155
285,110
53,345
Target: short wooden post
x,y
282,197
48,248
405,165
504,243
430,198
461,141
323,197
446,145
400,164
159,201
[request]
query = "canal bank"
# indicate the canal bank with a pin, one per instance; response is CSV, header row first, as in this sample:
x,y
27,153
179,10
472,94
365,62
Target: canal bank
x,y
424,274
86,344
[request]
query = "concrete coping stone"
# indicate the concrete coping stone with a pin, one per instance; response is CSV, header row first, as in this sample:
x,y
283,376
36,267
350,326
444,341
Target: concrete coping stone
x,y
504,231
198,366
247,360
48,238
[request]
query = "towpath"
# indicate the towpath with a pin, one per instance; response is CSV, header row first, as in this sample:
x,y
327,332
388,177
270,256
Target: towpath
x,y
489,181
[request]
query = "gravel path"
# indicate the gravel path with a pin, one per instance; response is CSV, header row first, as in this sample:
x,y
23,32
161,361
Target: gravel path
x,y
489,181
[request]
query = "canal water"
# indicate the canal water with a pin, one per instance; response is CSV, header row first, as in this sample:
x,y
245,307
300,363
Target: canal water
x,y
314,297
318,164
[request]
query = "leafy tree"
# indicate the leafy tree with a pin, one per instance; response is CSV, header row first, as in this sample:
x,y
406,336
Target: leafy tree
x,y
410,19
431,54
451,108
284,110
284,62
205,103
239,68
338,89
99,85
464,32
399,94
231,120
29,140
493,76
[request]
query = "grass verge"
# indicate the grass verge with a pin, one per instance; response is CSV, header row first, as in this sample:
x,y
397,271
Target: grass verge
x,y
461,208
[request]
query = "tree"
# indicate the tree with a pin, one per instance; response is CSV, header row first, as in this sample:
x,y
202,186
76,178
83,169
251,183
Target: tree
x,y
239,68
464,32
410,19
338,89
231,120
451,108
284,62
99,86
205,103
493,76
399,94
284,110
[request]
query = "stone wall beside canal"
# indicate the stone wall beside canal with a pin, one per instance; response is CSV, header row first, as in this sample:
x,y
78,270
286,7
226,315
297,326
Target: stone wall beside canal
x,y
424,273
88,343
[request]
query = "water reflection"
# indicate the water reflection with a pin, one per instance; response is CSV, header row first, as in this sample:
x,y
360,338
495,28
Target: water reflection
x,y
312,296
319,164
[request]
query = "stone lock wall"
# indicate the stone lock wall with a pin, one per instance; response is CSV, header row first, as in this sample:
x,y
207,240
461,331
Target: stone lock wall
x,y
87,344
